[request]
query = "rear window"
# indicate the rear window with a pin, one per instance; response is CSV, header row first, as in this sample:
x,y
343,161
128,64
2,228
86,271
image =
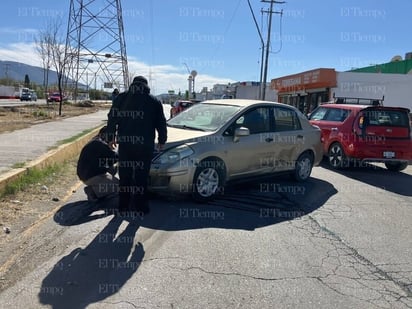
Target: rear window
x,y
286,120
330,114
387,118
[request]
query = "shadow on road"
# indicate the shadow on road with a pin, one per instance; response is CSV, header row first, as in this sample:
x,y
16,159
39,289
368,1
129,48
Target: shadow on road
x,y
379,177
247,207
89,275
83,211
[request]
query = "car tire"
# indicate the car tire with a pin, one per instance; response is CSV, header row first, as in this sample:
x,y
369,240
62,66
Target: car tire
x,y
396,166
208,180
303,167
336,156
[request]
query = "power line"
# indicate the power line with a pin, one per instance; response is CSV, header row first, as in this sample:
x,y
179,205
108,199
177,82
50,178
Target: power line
x,y
265,68
227,28
263,48
280,35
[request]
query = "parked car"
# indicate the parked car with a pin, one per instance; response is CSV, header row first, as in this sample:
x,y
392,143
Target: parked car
x,y
28,96
364,133
54,97
179,106
219,141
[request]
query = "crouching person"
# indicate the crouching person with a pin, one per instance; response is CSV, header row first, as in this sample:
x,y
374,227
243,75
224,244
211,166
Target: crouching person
x,y
96,167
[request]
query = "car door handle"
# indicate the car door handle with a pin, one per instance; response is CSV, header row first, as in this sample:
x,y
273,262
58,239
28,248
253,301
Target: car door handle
x,y
299,136
334,129
268,139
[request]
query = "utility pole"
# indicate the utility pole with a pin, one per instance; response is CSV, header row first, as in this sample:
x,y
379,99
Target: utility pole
x,y
263,49
6,72
265,71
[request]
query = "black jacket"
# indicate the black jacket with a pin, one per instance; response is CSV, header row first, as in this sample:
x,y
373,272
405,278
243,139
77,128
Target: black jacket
x,y
137,115
95,158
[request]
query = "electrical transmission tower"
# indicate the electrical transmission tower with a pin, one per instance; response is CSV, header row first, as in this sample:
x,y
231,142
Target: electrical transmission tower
x,y
95,46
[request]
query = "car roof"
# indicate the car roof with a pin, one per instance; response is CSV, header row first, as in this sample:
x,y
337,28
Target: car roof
x,y
243,102
345,106
361,106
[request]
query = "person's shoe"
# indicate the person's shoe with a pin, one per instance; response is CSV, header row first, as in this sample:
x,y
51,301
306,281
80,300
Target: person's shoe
x,y
91,196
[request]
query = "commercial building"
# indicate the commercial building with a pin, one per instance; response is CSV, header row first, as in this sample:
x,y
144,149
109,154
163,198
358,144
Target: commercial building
x,y
238,90
306,90
390,83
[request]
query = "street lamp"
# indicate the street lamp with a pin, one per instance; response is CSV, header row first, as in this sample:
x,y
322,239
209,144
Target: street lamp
x,y
191,79
190,85
193,74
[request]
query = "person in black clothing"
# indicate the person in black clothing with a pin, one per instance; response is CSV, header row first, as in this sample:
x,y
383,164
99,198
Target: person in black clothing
x,y
133,121
115,93
96,167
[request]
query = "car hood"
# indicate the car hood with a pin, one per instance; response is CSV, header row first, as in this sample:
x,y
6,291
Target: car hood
x,y
176,136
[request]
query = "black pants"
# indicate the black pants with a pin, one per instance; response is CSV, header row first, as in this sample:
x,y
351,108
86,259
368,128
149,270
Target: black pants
x,y
134,168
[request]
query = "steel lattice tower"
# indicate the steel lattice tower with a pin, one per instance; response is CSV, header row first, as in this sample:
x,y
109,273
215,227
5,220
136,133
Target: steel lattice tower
x,y
95,46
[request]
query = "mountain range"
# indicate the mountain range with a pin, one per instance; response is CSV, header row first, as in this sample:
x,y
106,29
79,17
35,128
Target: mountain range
x,y
17,71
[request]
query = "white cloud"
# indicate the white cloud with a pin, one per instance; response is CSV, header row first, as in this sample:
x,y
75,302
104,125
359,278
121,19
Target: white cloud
x,y
161,77
167,77
20,52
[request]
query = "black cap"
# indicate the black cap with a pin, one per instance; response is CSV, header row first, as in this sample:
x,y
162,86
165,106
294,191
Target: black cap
x,y
139,79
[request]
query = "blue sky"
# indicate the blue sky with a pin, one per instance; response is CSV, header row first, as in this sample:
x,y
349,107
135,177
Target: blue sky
x,y
219,39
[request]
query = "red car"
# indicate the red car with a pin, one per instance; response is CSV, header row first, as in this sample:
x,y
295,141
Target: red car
x,y
179,106
364,133
54,97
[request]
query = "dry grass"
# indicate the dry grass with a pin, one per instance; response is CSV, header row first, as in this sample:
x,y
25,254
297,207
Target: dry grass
x,y
20,117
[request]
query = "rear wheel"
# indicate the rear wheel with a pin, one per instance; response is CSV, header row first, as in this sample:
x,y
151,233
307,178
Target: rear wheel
x,y
396,166
336,156
303,167
208,180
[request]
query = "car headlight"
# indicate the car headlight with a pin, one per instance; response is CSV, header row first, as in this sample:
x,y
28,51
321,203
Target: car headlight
x,y
174,155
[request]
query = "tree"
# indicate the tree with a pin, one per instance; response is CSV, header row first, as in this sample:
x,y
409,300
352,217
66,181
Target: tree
x,y
26,81
43,48
51,48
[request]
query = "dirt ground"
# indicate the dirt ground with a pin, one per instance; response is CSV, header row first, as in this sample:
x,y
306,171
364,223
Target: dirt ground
x,y
16,206
20,211
19,117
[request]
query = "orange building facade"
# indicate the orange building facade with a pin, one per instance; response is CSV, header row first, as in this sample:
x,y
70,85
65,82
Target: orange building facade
x,y
305,90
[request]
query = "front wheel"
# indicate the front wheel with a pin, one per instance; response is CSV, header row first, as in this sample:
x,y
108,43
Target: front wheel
x,y
208,180
303,167
396,166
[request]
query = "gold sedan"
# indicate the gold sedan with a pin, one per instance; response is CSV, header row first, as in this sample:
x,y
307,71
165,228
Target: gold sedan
x,y
218,141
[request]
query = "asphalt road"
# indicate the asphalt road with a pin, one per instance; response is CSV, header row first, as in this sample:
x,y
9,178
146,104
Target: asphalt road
x,y
17,102
341,240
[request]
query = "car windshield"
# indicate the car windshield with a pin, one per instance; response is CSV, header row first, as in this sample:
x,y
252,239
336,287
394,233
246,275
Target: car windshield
x,y
204,117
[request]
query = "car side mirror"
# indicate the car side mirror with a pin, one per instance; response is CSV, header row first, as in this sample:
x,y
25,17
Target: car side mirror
x,y
242,131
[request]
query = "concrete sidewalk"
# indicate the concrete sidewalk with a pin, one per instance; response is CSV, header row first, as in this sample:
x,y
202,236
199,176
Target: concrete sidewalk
x,y
29,144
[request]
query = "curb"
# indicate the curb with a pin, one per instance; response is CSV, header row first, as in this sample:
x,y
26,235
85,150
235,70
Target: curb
x,y
58,155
